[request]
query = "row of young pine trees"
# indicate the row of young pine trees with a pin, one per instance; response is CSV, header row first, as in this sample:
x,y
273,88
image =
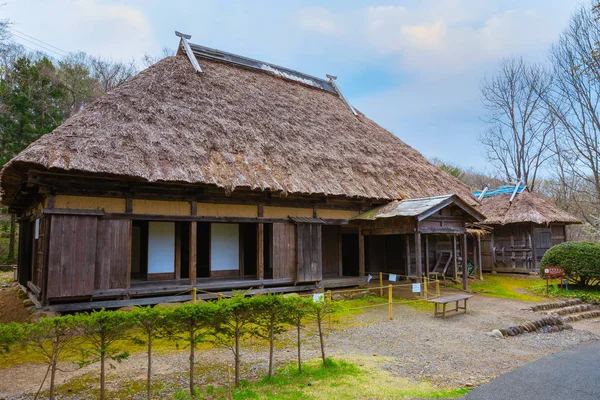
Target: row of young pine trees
x,y
225,323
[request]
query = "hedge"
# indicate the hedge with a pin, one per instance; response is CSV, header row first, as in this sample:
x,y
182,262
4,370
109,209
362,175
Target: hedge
x,y
581,261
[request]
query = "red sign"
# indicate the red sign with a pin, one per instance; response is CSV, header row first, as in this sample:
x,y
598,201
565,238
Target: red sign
x,y
554,271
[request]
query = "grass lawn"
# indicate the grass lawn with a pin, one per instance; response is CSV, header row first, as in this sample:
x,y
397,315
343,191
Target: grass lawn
x,y
516,287
584,293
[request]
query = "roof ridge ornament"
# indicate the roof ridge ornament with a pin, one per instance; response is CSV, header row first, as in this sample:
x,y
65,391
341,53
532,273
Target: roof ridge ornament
x,y
188,50
339,92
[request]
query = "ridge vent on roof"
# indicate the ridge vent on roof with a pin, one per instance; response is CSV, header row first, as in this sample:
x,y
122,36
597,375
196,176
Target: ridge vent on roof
x,y
220,55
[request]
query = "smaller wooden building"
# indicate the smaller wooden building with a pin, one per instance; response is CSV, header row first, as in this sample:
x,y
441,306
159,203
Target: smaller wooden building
x,y
418,237
522,230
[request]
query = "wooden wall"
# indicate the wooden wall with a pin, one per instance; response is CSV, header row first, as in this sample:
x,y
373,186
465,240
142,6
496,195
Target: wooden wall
x,y
284,251
113,254
310,262
71,256
524,246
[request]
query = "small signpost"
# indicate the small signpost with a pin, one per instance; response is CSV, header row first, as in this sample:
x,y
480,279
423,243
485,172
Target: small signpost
x,y
553,272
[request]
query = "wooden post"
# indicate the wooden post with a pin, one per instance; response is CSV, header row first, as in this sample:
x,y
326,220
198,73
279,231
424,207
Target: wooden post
x,y
329,300
418,256
361,253
381,284
193,251
437,288
479,258
427,256
465,263
407,243
178,250
424,288
390,302
455,258
194,295
260,251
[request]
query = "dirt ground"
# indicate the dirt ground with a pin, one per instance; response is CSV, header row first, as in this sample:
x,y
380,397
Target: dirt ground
x,y
452,352
11,305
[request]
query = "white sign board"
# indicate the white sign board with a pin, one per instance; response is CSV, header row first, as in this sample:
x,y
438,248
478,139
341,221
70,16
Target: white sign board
x,y
392,278
416,288
319,297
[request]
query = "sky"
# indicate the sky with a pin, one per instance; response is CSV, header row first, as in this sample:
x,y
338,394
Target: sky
x,y
414,67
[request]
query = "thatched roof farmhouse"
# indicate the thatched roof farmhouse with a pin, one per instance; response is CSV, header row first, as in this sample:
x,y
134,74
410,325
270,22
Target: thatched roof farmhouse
x,y
524,225
230,169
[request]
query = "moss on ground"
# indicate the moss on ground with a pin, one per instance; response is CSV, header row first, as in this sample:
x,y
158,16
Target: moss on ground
x,y
508,287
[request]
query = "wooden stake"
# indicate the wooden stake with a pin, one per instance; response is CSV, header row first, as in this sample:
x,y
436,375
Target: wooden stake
x,y
381,284
329,300
194,293
390,302
424,288
229,393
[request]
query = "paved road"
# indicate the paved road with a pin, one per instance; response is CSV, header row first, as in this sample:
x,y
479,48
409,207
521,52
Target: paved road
x,y
572,374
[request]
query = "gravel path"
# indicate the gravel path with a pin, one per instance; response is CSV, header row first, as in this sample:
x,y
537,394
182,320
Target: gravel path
x,y
454,352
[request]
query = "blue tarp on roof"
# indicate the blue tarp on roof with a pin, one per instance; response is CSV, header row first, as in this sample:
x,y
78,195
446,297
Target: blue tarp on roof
x,y
505,189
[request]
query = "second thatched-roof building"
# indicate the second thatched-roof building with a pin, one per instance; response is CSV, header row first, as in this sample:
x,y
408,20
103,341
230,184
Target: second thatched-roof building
x,y
524,226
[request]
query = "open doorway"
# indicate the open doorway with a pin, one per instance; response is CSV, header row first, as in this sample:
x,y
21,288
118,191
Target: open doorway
x,y
350,254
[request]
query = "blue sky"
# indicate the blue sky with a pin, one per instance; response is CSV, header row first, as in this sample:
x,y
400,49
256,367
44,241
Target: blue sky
x,y
412,66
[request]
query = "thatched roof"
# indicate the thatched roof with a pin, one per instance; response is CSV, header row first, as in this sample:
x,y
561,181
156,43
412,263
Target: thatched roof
x,y
233,127
420,208
526,207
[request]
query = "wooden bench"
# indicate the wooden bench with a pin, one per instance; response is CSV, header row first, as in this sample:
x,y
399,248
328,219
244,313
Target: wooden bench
x,y
450,299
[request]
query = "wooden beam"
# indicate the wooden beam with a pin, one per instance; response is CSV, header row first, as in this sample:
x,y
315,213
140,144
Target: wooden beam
x,y
51,201
128,205
465,257
455,258
418,257
443,230
387,231
68,211
260,251
193,208
193,251
361,253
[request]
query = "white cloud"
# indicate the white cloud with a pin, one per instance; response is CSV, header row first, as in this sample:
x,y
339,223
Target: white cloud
x,y
431,40
101,28
318,19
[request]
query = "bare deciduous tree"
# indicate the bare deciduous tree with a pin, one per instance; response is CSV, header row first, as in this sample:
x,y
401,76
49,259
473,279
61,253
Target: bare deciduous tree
x,y
517,140
574,101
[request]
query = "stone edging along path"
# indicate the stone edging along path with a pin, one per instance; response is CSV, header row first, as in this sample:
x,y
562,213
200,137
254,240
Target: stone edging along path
x,y
562,312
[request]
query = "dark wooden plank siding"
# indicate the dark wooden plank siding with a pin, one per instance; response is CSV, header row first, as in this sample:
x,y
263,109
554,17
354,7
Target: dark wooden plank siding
x,y
284,251
113,254
310,267
332,240
558,234
25,250
71,256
